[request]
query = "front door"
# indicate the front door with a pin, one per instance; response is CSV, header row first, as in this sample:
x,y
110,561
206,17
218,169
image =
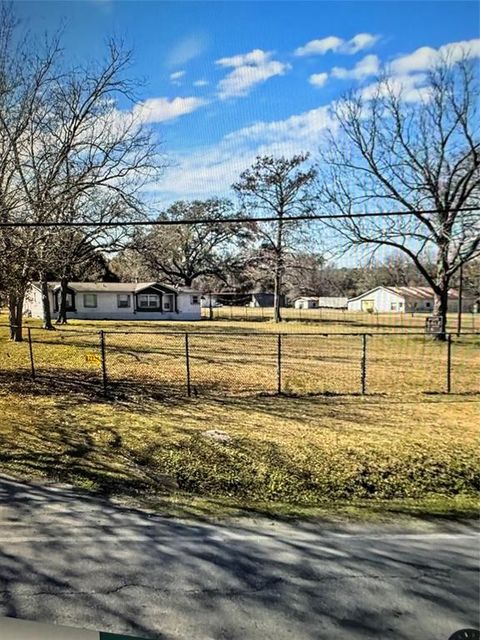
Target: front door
x,y
168,302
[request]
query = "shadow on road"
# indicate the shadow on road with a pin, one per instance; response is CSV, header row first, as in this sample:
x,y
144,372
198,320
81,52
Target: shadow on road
x,y
78,560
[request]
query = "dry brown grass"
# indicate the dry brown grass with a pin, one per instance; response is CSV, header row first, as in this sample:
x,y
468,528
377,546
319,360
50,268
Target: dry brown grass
x,y
231,358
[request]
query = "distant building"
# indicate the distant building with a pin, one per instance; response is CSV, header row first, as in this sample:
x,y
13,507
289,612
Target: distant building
x,y
306,303
311,302
332,302
263,299
403,300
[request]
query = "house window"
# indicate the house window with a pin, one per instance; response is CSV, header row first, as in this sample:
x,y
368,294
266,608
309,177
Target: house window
x,y
167,305
195,300
393,306
90,300
123,300
148,301
427,304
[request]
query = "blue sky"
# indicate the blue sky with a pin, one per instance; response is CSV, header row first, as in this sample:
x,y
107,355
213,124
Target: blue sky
x,y
225,81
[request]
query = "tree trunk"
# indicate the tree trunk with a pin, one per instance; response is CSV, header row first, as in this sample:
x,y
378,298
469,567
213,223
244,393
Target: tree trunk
x,y
15,317
440,308
277,314
46,311
440,299
62,311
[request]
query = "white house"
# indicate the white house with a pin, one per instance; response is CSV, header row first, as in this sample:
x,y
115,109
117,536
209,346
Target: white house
x,y
306,303
118,301
324,302
402,300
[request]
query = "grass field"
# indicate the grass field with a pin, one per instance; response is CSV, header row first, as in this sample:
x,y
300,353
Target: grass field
x,y
355,457
405,448
242,358
340,320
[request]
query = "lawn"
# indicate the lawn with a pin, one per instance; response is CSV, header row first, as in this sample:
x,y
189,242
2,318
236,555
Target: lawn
x,y
286,456
237,358
319,449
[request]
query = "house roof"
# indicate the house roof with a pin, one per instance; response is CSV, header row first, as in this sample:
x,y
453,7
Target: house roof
x,y
415,293
420,292
116,287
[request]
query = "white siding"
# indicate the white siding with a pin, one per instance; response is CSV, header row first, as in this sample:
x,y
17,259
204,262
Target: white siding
x,y
107,307
381,300
306,303
32,304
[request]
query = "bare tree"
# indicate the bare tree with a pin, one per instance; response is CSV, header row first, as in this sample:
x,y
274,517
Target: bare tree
x,y
182,253
70,148
23,77
277,187
397,151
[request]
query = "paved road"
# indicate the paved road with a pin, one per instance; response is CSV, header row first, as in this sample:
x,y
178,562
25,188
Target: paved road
x,y
84,562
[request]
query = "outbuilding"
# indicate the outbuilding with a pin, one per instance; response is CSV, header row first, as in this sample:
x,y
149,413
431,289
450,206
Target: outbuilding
x,y
306,303
402,300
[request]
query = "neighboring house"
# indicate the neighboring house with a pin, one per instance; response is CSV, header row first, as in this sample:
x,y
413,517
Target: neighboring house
x,y
265,300
118,301
402,300
332,302
306,303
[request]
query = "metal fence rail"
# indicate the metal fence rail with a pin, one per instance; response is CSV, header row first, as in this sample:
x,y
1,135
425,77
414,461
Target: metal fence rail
x,y
345,320
222,363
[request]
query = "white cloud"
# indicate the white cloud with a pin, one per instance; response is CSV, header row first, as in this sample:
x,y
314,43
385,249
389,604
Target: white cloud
x,y
425,57
200,83
359,42
318,79
163,109
255,57
319,47
410,87
208,171
249,69
176,77
185,50
369,66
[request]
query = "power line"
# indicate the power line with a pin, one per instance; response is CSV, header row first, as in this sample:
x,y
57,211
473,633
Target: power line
x,y
194,222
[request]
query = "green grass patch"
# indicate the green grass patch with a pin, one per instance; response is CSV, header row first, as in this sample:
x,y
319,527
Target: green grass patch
x,y
290,456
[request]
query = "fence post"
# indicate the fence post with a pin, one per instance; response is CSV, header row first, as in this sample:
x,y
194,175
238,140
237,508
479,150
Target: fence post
x,y
449,363
364,364
187,365
103,362
30,350
279,363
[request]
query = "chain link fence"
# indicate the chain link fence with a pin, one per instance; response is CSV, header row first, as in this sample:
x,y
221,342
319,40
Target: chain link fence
x,y
164,363
341,319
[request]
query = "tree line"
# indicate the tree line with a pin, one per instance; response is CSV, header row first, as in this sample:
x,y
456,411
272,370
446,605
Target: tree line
x,y
68,152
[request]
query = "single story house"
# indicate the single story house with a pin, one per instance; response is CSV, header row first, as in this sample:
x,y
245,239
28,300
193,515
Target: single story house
x,y
402,300
306,303
118,301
